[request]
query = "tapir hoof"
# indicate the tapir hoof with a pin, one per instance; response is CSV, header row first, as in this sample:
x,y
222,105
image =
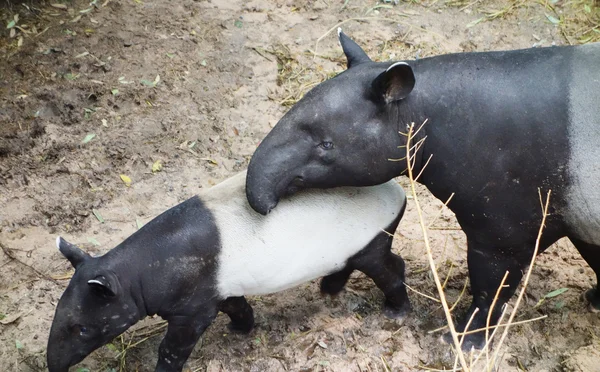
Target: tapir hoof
x,y
397,314
243,328
473,341
593,299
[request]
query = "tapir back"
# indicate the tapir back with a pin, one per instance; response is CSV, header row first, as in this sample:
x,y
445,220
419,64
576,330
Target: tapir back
x,y
310,234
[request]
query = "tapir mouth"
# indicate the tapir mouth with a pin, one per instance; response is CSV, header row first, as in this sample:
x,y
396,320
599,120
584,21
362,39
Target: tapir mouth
x,y
296,185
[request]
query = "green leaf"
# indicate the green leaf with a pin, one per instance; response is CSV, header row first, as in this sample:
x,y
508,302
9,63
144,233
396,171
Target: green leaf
x,y
203,63
88,138
114,92
2,316
587,8
11,24
82,369
238,23
475,22
556,292
93,241
98,215
18,344
552,19
151,83
138,223
70,76
111,347
170,55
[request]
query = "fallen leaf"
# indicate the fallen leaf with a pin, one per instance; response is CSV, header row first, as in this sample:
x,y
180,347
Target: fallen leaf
x,y
93,241
475,22
157,166
59,6
18,344
104,123
11,24
556,292
114,92
552,19
126,180
10,318
88,138
98,215
65,276
82,55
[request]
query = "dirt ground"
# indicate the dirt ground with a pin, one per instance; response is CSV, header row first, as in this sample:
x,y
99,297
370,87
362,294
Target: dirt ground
x,y
175,96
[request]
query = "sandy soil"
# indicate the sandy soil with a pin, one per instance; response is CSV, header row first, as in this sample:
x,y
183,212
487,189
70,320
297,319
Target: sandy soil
x,y
195,85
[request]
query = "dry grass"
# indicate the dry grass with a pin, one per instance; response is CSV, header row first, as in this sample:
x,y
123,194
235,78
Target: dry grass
x,y
475,359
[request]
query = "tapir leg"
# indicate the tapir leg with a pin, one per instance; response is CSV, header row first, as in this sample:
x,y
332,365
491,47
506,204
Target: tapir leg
x,y
487,266
240,312
182,335
591,254
333,284
387,271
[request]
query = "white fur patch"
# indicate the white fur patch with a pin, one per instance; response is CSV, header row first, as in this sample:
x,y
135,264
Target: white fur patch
x,y
58,242
583,195
339,31
308,235
396,64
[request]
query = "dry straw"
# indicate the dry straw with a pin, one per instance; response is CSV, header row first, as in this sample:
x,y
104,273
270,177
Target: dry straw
x,y
491,358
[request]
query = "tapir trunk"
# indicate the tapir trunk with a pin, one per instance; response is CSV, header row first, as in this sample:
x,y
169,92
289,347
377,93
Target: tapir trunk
x,y
269,177
57,360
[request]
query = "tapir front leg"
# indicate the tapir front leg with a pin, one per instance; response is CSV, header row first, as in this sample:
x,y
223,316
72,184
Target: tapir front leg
x,y
182,335
487,267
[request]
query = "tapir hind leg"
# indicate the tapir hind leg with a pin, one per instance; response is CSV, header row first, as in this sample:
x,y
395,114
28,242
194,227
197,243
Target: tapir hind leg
x,y
591,254
387,271
240,312
333,284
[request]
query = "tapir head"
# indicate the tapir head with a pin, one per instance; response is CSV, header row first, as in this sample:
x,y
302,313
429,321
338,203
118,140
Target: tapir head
x,y
91,312
341,133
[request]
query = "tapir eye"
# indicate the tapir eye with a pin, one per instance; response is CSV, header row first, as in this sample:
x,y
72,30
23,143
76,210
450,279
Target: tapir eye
x,y
326,145
83,331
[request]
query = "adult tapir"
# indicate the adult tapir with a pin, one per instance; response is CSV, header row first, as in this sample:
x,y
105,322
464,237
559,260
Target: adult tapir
x,y
500,126
207,253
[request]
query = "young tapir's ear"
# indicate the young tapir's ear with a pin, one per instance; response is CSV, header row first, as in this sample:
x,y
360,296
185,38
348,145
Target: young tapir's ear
x,y
75,255
354,54
104,284
395,83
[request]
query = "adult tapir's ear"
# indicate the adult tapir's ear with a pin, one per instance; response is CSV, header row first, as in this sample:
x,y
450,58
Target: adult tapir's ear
x,y
75,255
395,83
354,54
104,284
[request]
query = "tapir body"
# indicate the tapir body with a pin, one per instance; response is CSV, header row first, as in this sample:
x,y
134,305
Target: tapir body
x,y
206,253
500,129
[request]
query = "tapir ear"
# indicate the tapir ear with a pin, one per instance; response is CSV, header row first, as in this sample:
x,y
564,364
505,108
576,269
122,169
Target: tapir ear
x,y
354,54
75,255
104,284
395,83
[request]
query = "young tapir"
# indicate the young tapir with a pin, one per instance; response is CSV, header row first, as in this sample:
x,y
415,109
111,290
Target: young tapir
x,y
207,253
500,126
